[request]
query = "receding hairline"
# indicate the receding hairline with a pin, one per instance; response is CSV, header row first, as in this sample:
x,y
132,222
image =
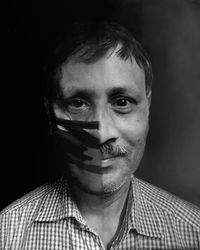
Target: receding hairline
x,y
79,55
110,38
79,58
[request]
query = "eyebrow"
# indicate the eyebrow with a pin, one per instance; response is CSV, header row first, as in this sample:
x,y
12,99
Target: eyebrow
x,y
117,91
88,93
84,93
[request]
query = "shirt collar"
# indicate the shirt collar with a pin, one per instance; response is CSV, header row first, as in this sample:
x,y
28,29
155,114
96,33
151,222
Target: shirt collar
x,y
58,204
145,217
141,214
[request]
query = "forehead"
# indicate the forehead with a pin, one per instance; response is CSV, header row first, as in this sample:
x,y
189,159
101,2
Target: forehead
x,y
109,72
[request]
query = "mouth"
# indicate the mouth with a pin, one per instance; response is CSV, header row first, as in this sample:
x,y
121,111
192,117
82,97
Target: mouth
x,y
109,161
105,166
106,157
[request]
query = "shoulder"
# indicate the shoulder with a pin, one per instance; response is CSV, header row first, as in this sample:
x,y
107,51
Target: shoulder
x,y
32,198
22,213
170,205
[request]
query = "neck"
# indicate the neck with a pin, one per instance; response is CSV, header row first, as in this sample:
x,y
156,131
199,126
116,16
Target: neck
x,y
100,204
103,213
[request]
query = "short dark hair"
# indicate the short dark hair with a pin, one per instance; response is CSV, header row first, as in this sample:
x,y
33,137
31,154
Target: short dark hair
x,y
90,41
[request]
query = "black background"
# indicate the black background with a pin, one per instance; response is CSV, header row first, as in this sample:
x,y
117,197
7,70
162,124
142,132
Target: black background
x,y
169,31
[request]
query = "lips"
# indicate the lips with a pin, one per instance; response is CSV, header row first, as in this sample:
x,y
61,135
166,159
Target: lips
x,y
99,163
106,157
105,166
96,169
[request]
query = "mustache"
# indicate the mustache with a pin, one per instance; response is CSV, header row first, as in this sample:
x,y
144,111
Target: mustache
x,y
113,150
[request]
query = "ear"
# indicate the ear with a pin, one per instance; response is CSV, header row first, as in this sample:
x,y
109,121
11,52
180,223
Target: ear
x,y
149,100
48,107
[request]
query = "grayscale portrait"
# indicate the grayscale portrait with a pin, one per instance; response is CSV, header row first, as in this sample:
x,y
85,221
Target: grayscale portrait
x,y
101,125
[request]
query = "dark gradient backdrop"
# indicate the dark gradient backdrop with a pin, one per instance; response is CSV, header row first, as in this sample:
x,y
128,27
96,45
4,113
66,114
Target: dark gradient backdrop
x,y
169,30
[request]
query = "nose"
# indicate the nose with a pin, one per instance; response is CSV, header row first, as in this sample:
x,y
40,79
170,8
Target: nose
x,y
107,127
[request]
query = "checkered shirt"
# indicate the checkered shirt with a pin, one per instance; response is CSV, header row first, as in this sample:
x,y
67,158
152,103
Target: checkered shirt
x,y
48,219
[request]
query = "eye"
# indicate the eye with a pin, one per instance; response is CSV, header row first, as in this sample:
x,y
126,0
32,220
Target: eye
x,y
124,104
77,105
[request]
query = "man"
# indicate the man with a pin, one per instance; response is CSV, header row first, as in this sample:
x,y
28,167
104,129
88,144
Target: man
x,y
98,99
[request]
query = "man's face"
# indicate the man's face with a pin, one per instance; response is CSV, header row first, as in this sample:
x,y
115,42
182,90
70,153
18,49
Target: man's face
x,y
112,92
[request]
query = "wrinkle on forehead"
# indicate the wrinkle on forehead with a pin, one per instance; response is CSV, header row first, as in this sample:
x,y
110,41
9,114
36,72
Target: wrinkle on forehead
x,y
106,72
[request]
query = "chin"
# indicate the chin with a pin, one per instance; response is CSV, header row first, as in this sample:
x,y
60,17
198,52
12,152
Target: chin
x,y
101,190
103,184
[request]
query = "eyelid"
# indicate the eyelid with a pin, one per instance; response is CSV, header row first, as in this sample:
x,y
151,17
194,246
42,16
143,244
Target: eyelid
x,y
130,99
77,99
128,108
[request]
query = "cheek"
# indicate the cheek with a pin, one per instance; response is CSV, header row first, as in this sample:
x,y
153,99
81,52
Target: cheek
x,y
134,131
135,138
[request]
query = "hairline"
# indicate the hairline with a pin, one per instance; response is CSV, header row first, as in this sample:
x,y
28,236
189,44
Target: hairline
x,y
91,50
75,58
